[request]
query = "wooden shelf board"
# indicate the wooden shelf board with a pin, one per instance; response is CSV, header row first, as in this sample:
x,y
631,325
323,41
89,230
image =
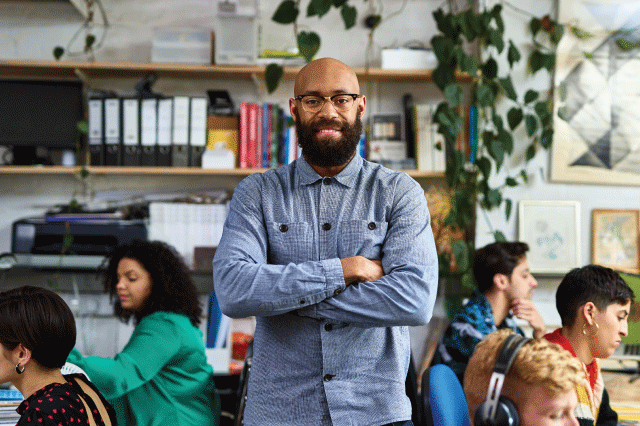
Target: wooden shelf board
x,y
71,69
116,170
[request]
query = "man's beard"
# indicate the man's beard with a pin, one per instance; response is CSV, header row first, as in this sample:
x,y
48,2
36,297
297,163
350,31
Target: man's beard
x,y
329,153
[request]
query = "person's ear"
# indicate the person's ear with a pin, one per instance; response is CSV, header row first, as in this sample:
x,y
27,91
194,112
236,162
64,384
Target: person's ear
x,y
501,281
362,106
293,109
21,354
588,311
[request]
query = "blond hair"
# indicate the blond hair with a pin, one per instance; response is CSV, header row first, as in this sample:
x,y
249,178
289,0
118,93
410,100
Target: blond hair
x,y
538,362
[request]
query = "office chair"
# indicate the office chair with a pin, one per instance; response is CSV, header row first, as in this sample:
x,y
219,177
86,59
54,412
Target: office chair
x,y
444,403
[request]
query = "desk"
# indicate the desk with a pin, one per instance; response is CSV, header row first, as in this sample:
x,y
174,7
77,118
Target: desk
x,y
624,395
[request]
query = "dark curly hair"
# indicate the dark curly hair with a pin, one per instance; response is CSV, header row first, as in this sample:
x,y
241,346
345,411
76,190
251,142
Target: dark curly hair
x,y
496,258
40,320
172,289
592,283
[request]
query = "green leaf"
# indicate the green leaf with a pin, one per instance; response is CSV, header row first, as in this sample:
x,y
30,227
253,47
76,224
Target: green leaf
x,y
496,39
580,33
467,280
524,175
507,86
557,33
506,140
460,252
532,124
319,7
513,54
484,95
88,41
536,61
490,69
534,26
546,138
514,117
272,75
349,14
499,236
308,44
286,13
496,151
339,3
625,44
469,65
468,24
530,96
82,126
454,94
507,208
84,173
542,109
58,51
484,165
442,48
511,181
549,61
530,152
493,198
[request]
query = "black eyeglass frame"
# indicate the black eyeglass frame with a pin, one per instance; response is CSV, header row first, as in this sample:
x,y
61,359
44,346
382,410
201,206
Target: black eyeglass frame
x,y
330,98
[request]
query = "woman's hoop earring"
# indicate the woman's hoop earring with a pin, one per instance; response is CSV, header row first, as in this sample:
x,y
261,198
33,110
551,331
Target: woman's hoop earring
x,y
18,370
584,329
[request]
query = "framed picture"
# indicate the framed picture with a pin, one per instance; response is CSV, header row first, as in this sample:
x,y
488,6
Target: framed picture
x,y
614,239
552,231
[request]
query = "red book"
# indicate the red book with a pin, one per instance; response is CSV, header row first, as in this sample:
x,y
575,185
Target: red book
x,y
243,156
252,153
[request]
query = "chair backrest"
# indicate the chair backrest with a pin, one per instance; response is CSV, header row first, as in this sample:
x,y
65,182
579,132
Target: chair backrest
x,y
447,402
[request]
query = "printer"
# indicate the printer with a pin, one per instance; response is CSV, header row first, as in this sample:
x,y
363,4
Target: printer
x,y
39,242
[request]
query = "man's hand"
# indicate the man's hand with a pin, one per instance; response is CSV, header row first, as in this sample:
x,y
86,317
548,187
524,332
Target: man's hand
x,y
526,310
358,269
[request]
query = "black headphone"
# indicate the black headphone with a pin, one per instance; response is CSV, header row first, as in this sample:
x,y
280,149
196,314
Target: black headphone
x,y
499,410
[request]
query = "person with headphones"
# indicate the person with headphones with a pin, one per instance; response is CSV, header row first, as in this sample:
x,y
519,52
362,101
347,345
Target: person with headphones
x,y
512,380
505,287
594,303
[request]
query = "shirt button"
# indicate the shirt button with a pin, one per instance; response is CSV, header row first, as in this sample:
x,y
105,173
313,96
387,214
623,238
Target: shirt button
x,y
302,301
326,226
327,377
337,292
372,226
326,181
328,327
284,228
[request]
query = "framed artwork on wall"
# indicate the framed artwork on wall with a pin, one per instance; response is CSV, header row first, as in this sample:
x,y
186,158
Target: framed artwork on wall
x,y
614,239
552,231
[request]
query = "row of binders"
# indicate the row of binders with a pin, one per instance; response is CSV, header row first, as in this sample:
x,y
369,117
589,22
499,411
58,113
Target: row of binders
x,y
147,131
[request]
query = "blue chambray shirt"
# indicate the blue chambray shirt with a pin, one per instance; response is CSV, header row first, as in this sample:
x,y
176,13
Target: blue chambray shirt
x,y
326,353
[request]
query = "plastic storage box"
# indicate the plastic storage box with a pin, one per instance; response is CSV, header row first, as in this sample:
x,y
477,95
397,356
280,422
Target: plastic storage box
x,y
182,45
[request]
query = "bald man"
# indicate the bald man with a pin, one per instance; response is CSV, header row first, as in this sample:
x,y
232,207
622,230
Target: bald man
x,y
334,256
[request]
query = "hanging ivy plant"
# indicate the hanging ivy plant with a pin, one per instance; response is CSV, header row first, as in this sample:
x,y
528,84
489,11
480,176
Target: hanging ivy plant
x,y
468,174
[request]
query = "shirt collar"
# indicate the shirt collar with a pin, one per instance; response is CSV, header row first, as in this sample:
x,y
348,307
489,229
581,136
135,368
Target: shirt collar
x,y
306,175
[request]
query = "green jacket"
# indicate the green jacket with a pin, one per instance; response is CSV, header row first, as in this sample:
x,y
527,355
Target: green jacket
x,y
161,377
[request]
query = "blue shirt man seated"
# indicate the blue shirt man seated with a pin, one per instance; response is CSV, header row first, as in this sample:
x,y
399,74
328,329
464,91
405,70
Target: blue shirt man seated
x,y
504,290
335,257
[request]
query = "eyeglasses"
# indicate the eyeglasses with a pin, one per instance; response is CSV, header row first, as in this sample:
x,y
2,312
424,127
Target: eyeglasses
x,y
342,102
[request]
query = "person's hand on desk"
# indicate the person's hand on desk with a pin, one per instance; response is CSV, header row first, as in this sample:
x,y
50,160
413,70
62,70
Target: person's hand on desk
x,y
358,269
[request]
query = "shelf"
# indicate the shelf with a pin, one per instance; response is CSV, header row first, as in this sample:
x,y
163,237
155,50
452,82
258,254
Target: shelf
x,y
109,170
73,69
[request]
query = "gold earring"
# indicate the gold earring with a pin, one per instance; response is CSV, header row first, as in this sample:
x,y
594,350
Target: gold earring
x,y
584,329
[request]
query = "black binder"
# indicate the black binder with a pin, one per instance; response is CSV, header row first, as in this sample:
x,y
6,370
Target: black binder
x,y
96,131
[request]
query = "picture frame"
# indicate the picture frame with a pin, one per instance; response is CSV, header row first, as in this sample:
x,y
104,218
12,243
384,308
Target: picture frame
x,y
615,239
552,231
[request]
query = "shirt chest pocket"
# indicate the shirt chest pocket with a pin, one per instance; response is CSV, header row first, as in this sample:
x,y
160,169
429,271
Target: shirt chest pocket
x,y
361,238
290,242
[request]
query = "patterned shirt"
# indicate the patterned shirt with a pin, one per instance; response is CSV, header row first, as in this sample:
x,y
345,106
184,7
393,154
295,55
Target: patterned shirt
x,y
326,353
60,404
468,327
